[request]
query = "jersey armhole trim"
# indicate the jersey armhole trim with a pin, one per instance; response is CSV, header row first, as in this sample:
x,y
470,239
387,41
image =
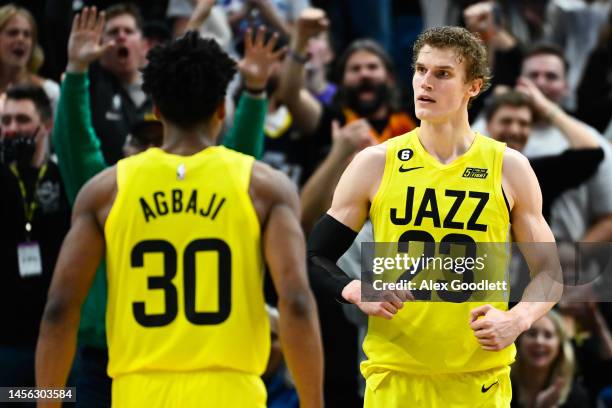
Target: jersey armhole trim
x,y
382,187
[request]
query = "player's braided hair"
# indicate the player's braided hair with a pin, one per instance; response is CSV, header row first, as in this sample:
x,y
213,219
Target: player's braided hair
x,y
467,46
188,78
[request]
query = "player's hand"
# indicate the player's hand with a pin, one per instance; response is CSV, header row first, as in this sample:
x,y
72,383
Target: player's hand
x,y
386,309
84,43
259,57
538,100
549,397
311,22
351,138
496,330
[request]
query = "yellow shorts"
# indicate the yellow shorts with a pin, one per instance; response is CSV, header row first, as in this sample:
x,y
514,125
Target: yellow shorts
x,y
203,389
390,389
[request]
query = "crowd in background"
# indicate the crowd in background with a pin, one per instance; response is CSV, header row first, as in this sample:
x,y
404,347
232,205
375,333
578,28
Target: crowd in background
x,y
69,109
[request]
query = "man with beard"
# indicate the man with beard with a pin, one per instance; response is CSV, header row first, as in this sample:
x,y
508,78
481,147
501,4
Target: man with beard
x,y
34,217
367,93
117,99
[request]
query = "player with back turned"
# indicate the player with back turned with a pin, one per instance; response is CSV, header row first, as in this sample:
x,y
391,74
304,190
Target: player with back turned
x,y
440,183
186,229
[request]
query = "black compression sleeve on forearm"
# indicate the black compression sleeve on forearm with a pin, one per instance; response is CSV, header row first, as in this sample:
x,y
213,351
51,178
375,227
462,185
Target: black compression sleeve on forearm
x,y
328,241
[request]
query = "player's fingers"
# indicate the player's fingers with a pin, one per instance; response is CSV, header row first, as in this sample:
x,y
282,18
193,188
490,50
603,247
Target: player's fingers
x,y
483,334
392,298
388,307
479,311
479,325
382,312
487,342
405,295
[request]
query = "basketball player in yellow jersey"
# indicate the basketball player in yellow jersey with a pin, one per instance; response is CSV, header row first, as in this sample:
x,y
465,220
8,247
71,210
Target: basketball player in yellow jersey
x,y
186,230
439,183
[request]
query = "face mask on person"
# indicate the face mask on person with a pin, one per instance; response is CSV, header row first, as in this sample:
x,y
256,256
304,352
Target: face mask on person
x,y
19,148
366,107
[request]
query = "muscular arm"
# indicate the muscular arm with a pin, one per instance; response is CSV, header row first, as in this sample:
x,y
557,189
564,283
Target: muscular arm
x,y
497,330
284,251
336,231
81,253
535,239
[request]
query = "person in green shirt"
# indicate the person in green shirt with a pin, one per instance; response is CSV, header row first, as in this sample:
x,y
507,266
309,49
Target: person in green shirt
x,y
80,158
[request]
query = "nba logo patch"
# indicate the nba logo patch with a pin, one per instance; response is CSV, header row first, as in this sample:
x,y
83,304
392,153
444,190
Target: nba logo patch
x,y
180,172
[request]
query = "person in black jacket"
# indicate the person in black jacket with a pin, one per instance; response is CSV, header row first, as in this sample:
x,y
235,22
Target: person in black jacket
x,y
34,217
117,99
509,117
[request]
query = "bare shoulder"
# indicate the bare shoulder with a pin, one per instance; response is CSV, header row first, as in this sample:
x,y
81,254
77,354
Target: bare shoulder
x,y
519,180
98,194
270,187
366,170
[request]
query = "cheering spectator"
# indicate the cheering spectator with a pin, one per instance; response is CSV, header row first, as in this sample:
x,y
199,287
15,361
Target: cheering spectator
x,y
509,120
543,374
20,54
367,87
584,213
117,99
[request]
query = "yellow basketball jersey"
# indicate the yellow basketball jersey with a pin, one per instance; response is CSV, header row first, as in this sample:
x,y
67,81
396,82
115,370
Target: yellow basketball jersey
x,y
421,199
184,266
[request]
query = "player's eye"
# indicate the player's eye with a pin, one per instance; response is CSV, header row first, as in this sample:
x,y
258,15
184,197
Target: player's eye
x,y
443,74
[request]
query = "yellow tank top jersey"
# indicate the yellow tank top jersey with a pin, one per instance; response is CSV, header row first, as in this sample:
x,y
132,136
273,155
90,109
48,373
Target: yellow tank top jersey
x,y
421,199
184,266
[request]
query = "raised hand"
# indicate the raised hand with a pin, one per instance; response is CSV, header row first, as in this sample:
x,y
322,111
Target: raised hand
x,y
538,100
479,19
84,45
259,58
310,23
352,138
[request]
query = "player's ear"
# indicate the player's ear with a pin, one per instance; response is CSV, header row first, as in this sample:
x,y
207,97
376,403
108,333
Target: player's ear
x,y
220,111
475,87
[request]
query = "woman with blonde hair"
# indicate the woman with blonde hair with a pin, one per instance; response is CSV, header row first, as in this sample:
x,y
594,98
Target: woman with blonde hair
x,y
543,374
20,54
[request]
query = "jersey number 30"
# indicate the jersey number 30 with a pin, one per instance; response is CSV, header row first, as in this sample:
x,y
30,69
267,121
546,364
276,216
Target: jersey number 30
x,y
164,282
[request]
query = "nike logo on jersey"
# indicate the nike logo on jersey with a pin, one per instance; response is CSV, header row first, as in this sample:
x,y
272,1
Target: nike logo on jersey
x,y
403,170
485,389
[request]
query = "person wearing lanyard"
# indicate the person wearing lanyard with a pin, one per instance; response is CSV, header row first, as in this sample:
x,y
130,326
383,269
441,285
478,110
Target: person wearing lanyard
x,y
34,217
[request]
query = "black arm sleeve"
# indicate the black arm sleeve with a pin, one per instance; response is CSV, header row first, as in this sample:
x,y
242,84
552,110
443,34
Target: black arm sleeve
x,y
328,241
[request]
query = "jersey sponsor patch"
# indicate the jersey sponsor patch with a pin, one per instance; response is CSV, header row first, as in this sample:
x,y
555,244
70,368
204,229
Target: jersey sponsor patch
x,y
475,172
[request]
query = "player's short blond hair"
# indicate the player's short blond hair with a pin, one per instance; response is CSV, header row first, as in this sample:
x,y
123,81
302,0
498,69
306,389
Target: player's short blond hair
x,y
468,47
